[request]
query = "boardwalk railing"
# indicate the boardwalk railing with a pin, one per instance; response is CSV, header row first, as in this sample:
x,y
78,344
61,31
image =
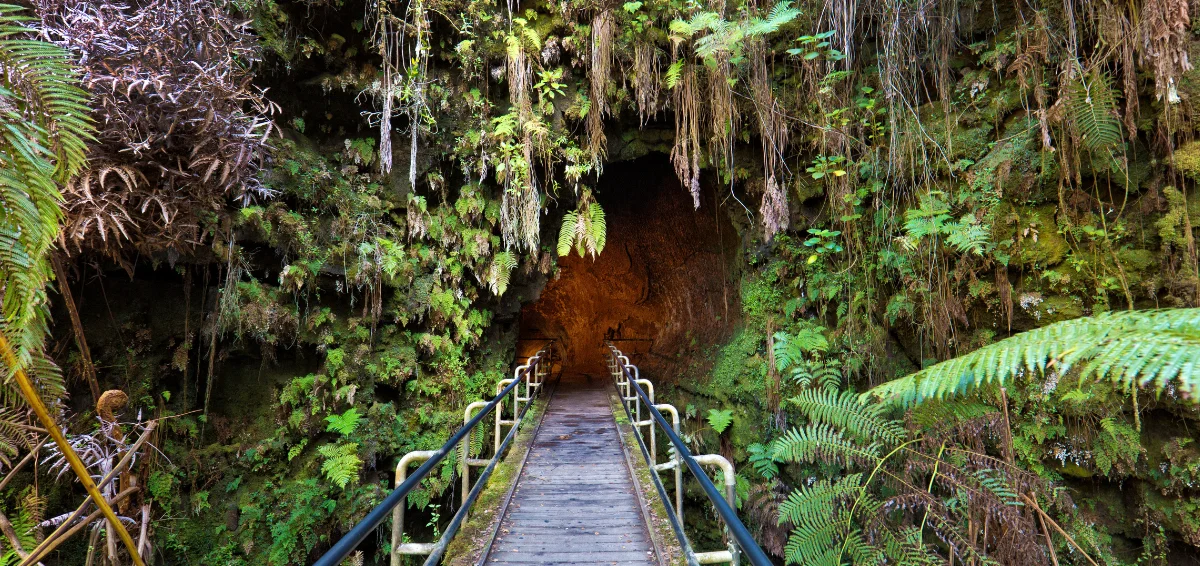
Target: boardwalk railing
x,y
532,373
629,386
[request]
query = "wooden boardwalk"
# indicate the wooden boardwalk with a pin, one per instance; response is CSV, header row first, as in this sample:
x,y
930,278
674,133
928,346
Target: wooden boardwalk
x,y
574,502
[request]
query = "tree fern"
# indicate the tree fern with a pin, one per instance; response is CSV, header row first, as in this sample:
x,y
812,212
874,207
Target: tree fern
x,y
819,543
341,462
1129,348
813,504
42,143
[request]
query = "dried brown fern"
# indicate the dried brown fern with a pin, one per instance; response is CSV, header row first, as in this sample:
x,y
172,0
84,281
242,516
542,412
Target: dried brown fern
x,y
773,129
646,80
1165,37
182,129
685,154
603,31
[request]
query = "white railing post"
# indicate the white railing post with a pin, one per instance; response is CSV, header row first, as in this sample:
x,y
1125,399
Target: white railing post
x,y
727,470
676,462
398,546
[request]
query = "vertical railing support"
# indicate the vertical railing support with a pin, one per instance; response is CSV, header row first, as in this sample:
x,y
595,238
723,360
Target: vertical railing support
x,y
675,462
727,470
466,461
500,411
399,547
739,539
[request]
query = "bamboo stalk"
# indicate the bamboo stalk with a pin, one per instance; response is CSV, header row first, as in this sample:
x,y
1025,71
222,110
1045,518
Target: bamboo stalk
x,y
26,387
43,550
1049,539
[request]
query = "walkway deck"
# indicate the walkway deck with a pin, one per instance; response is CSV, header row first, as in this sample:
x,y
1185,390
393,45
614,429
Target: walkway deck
x,y
574,502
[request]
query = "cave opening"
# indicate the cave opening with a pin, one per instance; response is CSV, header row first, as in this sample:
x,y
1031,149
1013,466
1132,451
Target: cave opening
x,y
663,289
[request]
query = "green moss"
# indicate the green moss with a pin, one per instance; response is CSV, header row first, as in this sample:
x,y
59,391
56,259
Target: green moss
x,y
737,366
1039,243
1059,307
1186,159
1015,166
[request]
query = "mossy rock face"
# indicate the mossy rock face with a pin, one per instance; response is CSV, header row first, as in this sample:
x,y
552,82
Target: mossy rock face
x,y
1139,265
1016,166
964,136
1047,248
635,143
1074,470
1058,308
1186,159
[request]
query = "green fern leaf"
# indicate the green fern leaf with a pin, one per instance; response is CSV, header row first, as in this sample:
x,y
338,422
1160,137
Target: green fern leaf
x,y
43,142
597,229
720,420
566,235
500,272
1140,348
821,442
1092,108
345,423
847,412
673,73
762,460
341,463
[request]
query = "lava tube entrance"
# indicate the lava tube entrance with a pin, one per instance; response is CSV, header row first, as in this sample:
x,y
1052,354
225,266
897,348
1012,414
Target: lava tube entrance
x,y
663,289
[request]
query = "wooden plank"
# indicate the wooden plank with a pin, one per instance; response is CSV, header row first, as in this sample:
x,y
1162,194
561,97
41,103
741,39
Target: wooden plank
x,y
574,501
622,556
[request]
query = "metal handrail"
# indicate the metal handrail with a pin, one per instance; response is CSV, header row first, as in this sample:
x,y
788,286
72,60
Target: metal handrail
x,y
741,538
395,500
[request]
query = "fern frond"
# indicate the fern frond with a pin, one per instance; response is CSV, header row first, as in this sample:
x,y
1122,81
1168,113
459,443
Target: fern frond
x,y
790,349
762,461
500,271
814,504
1129,348
45,128
780,15
597,229
584,229
1092,108
849,413
821,442
720,420
818,543
341,463
941,414
345,423
566,235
